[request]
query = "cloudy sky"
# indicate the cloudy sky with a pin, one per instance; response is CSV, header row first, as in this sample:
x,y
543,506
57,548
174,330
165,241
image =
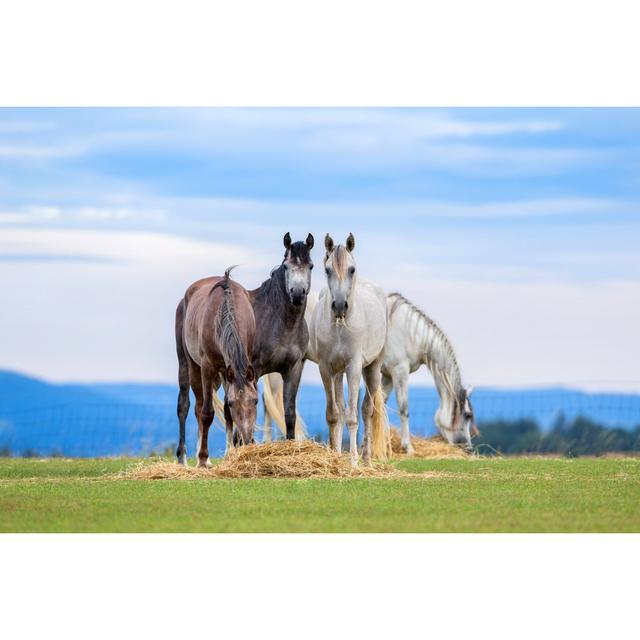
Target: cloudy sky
x,y
516,229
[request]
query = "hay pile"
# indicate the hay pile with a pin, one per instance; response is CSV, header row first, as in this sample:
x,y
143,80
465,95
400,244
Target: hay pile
x,y
435,447
281,459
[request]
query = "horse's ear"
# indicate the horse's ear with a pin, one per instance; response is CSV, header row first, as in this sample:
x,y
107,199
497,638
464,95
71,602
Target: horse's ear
x,y
251,374
287,240
310,242
351,243
230,376
328,243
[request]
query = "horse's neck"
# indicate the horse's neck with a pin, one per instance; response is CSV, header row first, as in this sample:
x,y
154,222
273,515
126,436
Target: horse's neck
x,y
272,296
434,349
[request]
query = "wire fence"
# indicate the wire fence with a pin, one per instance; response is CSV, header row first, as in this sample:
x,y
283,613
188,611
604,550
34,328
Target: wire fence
x,y
145,426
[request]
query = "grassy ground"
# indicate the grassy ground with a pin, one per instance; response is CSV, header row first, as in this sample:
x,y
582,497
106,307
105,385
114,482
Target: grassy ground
x,y
516,494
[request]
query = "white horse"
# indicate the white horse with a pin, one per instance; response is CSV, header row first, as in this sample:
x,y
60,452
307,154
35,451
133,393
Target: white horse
x,y
413,340
347,334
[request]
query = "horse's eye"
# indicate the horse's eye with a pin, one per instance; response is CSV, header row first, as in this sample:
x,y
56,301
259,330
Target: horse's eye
x,y
327,271
310,266
284,264
255,401
352,270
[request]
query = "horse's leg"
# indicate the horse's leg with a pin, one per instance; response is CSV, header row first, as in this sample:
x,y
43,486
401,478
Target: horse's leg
x,y
291,382
339,399
183,382
400,376
206,415
333,412
354,374
195,378
228,421
373,383
387,386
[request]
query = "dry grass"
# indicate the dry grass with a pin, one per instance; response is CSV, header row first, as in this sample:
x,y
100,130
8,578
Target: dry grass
x,y
435,447
281,459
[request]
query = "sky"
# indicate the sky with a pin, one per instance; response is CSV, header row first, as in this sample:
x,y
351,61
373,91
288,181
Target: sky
x,y
517,230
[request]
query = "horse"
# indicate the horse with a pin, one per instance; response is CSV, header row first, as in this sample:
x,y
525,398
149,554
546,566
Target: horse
x,y
415,339
282,336
215,335
348,330
272,393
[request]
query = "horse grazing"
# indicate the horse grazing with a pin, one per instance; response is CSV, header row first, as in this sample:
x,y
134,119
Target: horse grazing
x,y
348,330
282,336
215,334
415,339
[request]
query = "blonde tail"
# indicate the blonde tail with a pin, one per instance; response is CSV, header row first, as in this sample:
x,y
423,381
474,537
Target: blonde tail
x,y
381,434
275,406
218,407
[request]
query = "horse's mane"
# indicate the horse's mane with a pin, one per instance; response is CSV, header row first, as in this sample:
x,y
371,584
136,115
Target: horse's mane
x,y
438,350
273,287
227,333
339,261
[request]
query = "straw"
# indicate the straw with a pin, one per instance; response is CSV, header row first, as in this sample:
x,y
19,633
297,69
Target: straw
x,y
435,447
281,459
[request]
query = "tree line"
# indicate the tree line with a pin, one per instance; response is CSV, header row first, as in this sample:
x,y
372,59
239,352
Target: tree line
x,y
577,437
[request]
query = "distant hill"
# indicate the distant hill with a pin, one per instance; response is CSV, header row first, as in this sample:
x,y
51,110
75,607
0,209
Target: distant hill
x,y
135,419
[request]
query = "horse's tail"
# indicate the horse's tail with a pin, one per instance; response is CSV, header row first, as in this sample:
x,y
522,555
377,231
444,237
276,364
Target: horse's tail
x,y
218,408
381,434
275,406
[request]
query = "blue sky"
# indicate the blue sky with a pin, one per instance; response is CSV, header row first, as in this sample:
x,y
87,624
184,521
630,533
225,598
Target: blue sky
x,y
516,229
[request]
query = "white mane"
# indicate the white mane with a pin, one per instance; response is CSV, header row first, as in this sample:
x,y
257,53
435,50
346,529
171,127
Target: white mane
x,y
432,341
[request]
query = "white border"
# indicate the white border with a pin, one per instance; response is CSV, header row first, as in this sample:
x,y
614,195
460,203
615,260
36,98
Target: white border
x,y
296,52
323,586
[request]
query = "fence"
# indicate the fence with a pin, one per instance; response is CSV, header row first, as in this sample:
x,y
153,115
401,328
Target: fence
x,y
150,425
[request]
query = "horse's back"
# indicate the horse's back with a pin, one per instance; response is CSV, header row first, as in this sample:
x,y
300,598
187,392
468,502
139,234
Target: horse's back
x,y
200,305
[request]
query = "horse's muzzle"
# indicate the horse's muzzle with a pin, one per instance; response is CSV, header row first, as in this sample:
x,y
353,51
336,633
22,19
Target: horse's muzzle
x,y
297,296
339,309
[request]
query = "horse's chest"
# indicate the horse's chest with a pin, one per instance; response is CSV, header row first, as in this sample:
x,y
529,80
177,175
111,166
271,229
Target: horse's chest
x,y
277,354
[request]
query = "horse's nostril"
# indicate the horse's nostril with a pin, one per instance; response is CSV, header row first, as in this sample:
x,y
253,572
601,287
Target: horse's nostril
x,y
346,305
333,304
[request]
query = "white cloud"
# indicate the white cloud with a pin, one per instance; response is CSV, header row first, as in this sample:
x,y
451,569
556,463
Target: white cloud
x,y
30,215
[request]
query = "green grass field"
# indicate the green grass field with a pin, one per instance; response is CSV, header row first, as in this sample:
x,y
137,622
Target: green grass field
x,y
481,495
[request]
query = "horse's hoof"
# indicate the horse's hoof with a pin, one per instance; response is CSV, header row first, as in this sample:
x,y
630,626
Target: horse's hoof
x,y
408,449
204,465
182,460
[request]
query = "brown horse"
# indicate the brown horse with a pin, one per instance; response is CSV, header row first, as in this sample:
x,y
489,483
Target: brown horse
x,y
215,330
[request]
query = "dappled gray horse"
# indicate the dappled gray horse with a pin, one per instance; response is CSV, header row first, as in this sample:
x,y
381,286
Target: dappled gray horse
x,y
282,336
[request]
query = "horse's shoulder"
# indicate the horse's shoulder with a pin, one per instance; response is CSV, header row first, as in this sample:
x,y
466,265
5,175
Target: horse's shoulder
x,y
372,292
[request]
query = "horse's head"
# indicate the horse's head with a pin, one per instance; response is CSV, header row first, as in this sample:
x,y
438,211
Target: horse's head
x,y
340,267
460,423
297,268
242,398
